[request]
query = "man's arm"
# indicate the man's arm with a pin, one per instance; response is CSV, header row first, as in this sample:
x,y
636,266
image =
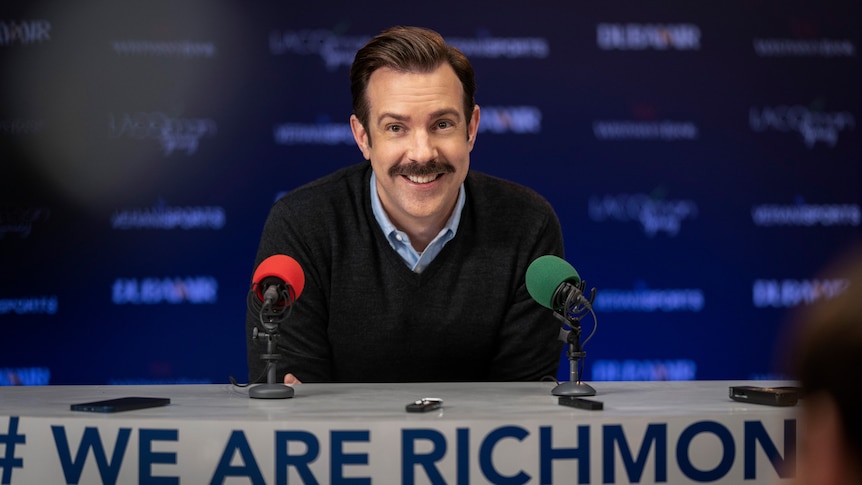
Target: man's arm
x,y
302,342
529,346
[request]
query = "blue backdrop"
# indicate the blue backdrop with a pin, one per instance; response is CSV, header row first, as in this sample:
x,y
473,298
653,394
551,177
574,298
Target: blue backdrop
x,y
703,157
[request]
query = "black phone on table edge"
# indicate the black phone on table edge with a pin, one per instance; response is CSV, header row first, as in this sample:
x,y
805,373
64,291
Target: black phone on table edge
x,y
770,396
121,404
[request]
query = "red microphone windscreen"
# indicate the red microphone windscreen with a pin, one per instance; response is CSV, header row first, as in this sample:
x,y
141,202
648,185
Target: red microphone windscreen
x,y
282,267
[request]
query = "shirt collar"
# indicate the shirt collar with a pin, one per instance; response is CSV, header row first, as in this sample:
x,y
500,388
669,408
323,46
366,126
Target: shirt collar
x,y
391,231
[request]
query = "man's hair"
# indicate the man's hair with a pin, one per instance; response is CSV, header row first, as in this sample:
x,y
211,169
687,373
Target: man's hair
x,y
408,49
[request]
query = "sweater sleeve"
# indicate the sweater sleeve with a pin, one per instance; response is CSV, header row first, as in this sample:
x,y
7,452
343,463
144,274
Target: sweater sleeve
x,y
302,341
306,224
528,347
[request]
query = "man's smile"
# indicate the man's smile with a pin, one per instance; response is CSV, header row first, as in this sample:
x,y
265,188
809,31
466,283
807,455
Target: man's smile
x,y
423,179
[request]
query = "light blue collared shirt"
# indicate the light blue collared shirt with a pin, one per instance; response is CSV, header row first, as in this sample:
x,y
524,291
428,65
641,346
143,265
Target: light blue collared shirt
x,y
399,240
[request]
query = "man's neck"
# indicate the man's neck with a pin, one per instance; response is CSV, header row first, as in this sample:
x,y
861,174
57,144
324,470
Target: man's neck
x,y
421,231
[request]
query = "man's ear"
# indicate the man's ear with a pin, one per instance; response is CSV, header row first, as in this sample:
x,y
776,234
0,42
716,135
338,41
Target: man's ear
x,y
473,128
360,136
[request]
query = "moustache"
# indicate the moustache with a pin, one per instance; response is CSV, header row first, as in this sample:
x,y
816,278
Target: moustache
x,y
417,169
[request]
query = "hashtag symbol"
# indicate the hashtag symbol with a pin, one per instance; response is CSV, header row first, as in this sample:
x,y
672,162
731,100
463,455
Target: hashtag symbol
x,y
8,460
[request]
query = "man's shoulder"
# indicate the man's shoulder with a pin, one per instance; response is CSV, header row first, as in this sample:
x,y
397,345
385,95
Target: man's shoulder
x,y
323,198
485,188
352,175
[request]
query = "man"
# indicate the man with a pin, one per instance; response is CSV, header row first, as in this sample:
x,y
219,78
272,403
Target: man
x,y
826,354
414,265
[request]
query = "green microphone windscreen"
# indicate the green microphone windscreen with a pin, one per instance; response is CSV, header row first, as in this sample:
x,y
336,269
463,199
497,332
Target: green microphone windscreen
x,y
545,274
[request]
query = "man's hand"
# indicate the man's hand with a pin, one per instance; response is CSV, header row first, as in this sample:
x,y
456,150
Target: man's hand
x,y
290,379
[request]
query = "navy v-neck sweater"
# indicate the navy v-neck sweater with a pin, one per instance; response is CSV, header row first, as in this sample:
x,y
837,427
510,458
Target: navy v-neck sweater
x,y
364,316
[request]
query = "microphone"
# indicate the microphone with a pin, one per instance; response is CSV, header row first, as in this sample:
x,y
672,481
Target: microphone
x,y
553,282
277,283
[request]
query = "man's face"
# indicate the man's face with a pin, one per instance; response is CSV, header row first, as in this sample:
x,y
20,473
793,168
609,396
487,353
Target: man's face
x,y
418,142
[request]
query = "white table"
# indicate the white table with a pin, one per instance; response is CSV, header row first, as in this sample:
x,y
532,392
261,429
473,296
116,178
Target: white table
x,y
648,432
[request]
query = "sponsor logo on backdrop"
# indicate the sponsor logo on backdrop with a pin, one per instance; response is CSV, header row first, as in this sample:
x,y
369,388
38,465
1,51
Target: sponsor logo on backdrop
x,y
488,47
789,293
814,125
196,290
24,32
638,37
804,47
21,127
20,221
313,134
29,305
335,50
656,215
339,50
173,134
805,215
643,370
650,300
25,376
665,130
162,216
182,48
519,120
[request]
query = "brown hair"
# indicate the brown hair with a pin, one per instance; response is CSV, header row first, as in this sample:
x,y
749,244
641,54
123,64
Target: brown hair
x,y
408,49
825,351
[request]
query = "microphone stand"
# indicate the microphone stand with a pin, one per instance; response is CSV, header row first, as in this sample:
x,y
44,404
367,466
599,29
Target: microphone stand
x,y
568,315
270,318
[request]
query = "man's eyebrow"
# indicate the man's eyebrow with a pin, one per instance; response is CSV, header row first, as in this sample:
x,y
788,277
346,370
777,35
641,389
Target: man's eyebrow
x,y
394,116
436,114
446,112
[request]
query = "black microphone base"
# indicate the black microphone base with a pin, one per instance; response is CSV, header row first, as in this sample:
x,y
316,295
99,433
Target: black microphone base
x,y
573,388
270,391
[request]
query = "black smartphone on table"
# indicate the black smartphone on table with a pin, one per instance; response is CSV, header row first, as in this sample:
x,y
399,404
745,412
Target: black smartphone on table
x,y
121,404
770,396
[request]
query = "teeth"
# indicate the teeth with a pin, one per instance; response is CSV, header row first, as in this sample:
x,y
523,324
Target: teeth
x,y
422,180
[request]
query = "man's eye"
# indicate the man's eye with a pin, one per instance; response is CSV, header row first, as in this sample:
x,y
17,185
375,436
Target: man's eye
x,y
394,128
441,125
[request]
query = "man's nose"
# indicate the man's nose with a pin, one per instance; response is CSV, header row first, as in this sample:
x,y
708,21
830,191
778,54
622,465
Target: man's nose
x,y
422,148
